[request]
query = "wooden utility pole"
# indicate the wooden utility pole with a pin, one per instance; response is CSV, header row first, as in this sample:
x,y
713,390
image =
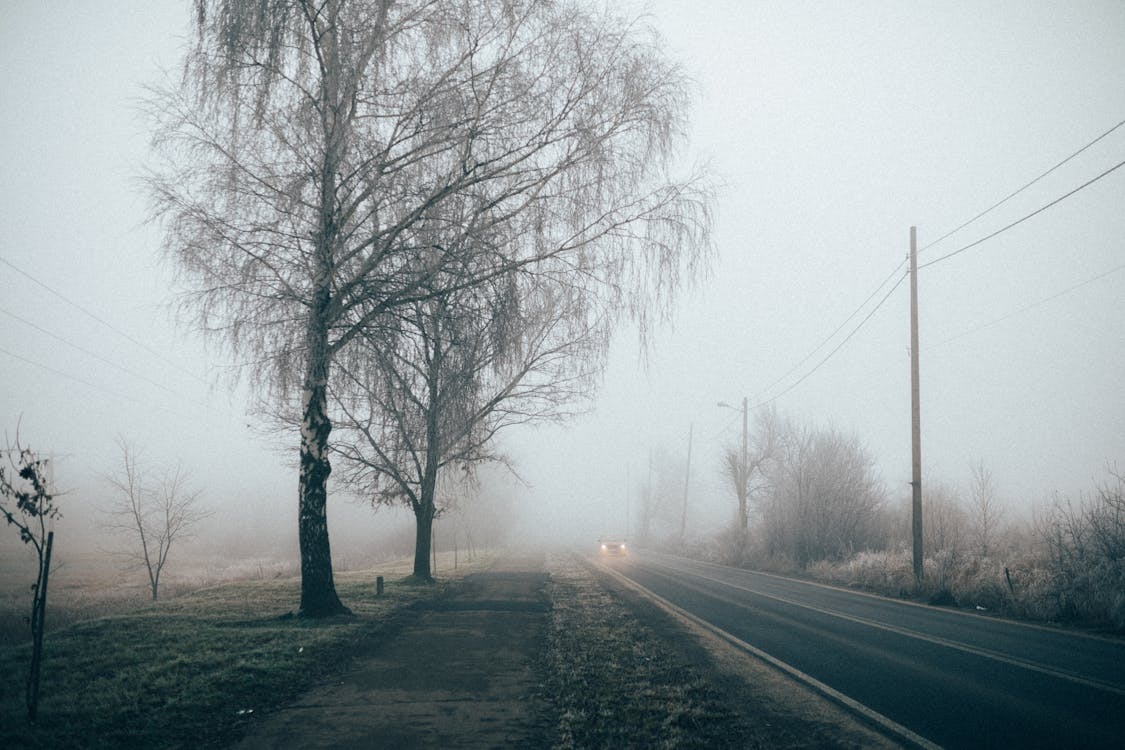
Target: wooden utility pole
x,y
627,501
744,470
915,411
687,478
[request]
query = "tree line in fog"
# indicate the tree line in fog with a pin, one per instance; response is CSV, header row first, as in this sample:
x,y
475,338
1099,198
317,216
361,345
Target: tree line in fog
x,y
807,500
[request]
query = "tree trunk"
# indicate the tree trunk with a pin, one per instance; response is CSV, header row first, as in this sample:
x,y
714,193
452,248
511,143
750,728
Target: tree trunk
x,y
425,509
423,539
38,625
318,591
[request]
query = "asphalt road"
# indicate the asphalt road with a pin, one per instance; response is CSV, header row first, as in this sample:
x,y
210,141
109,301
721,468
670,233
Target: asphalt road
x,y
955,679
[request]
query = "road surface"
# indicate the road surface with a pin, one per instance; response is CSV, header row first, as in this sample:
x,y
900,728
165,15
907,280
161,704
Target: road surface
x,y
955,679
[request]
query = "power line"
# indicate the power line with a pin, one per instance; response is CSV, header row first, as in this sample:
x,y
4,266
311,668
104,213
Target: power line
x,y
1013,194
1003,200
87,383
99,319
1032,306
722,433
839,346
840,327
1037,211
68,376
88,353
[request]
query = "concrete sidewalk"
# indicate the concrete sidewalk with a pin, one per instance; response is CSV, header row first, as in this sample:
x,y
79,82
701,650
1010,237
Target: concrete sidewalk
x,y
459,673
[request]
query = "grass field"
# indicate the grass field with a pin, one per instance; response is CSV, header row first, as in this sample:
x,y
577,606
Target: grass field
x,y
190,671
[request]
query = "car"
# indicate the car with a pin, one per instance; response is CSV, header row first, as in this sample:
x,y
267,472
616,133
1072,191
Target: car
x,y
613,547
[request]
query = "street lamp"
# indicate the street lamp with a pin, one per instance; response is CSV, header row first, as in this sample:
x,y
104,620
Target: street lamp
x,y
725,405
743,478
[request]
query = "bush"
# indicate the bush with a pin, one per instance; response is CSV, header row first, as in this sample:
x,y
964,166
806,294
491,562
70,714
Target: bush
x,y
980,583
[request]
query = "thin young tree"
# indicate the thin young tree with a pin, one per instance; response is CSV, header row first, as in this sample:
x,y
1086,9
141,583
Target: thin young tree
x,y
27,502
986,510
311,149
152,513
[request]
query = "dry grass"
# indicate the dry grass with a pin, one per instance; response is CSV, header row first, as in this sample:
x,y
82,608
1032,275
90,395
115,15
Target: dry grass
x,y
189,671
1023,587
616,683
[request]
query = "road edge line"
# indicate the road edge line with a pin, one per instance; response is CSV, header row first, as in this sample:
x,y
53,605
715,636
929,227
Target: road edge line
x,y
870,716
993,616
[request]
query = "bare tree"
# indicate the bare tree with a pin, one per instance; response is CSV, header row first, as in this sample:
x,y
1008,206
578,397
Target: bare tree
x,y
314,147
461,367
823,498
477,509
986,510
745,466
1106,516
28,503
946,524
154,514
661,501
1085,545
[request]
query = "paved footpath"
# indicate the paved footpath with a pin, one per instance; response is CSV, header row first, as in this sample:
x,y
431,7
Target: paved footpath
x,y
460,673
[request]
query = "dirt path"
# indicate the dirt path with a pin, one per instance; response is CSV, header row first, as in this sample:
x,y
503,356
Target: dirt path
x,y
459,673
494,666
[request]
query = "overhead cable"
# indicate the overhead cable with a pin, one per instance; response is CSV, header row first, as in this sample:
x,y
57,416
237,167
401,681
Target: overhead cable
x,y
68,376
1013,194
87,352
839,346
99,319
1032,306
840,327
1037,211
89,384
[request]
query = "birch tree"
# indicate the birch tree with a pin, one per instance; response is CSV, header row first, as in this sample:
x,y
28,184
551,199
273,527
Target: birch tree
x,y
311,152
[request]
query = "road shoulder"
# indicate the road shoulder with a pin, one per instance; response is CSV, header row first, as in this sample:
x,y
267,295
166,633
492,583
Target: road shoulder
x,y
771,709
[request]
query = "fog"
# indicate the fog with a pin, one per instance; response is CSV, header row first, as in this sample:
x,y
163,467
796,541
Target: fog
x,y
833,130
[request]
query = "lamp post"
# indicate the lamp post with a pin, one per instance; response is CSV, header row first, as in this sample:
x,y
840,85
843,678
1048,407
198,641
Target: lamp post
x,y
743,479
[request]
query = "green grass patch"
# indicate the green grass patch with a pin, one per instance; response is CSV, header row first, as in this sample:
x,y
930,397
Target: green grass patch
x,y
193,671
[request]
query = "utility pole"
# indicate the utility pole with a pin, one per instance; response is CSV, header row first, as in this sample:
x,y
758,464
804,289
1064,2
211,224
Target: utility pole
x,y
915,410
626,501
744,471
687,477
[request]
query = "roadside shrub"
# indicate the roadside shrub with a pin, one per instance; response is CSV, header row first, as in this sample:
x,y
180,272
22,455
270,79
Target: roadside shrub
x,y
890,572
728,547
886,572
979,582
1085,555
1066,565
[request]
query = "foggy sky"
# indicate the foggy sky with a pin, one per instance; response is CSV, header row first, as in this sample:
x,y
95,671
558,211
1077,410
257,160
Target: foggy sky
x,y
833,130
